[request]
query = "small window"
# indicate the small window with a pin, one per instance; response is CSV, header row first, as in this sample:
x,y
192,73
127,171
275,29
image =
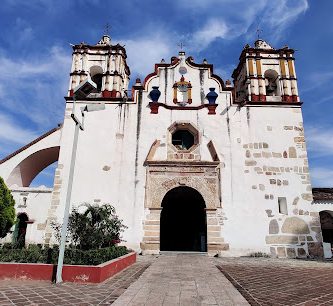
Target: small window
x,y
283,209
183,139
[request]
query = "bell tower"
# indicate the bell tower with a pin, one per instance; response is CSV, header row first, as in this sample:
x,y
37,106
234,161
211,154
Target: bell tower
x,y
105,64
265,74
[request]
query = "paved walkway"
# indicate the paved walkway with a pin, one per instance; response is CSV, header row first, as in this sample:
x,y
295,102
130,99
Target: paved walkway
x,y
280,281
182,280
22,292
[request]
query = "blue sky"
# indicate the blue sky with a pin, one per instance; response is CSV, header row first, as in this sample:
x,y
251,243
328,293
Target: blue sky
x,y
35,55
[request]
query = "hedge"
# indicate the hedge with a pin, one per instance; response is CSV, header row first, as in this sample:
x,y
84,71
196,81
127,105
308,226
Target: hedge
x,y
38,254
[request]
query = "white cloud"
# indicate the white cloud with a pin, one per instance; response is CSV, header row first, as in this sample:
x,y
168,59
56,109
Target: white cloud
x,y
12,132
322,177
280,14
144,52
320,141
212,30
34,87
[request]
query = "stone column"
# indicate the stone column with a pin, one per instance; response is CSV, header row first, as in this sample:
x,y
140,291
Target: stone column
x,y
151,239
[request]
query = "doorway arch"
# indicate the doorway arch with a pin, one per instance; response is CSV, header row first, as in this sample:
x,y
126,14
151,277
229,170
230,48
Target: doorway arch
x,y
21,230
183,225
326,222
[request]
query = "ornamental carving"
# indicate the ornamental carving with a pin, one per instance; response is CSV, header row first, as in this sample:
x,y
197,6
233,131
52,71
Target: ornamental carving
x,y
162,179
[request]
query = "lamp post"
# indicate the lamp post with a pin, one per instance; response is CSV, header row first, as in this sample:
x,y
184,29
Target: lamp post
x,y
80,92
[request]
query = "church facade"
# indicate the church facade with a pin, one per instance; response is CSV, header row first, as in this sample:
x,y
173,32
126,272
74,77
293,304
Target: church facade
x,y
190,162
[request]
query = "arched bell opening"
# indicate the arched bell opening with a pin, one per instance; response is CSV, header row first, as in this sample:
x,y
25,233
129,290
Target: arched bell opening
x,y
183,221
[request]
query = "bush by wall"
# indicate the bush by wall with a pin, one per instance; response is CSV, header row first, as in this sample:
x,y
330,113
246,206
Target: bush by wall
x,y
7,210
37,254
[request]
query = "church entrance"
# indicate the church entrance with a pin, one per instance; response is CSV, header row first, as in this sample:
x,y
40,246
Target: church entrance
x,y
183,221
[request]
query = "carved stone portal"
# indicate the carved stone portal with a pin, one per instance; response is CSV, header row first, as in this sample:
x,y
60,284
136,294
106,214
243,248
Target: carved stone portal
x,y
167,175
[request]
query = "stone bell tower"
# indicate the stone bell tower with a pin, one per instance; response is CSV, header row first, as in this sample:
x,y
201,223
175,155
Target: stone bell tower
x,y
265,74
105,64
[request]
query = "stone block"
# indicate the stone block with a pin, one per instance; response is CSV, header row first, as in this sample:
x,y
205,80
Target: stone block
x,y
257,155
217,247
291,253
281,251
288,128
248,153
151,239
281,239
316,229
212,221
155,233
273,251
276,155
316,249
292,152
250,162
285,182
309,238
295,225
254,186
261,187
148,227
41,226
266,154
274,227
213,228
299,139
296,201
213,233
152,222
265,145
149,246
272,181
215,240
307,197
269,213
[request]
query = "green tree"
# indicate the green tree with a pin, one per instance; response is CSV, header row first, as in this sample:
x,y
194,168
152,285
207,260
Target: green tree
x,y
97,227
7,210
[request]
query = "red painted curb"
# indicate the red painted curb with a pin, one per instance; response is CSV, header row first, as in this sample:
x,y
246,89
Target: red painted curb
x,y
70,273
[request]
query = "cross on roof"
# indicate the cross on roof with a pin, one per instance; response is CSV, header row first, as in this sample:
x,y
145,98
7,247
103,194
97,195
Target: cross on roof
x,y
107,29
258,32
181,45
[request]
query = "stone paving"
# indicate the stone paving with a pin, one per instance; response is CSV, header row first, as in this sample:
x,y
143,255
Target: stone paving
x,y
21,292
182,280
280,281
189,280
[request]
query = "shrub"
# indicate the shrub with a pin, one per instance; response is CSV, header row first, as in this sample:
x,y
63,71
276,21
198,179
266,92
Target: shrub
x,y
97,227
7,210
35,254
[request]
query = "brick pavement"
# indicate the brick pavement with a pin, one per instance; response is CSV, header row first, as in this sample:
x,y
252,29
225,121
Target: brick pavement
x,y
181,280
280,281
20,292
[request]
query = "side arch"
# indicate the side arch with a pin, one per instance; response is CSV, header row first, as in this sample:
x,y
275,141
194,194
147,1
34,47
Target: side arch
x,y
24,173
23,165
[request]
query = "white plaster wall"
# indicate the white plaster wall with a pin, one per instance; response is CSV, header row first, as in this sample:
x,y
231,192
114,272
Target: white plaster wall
x,y
37,205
